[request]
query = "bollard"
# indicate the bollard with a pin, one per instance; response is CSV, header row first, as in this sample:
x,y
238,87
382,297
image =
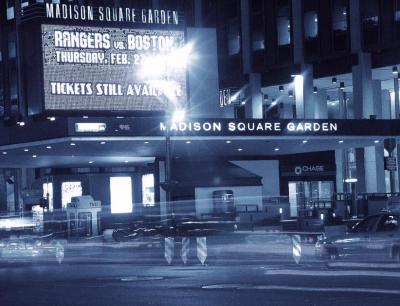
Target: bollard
x,y
202,249
296,248
169,249
185,249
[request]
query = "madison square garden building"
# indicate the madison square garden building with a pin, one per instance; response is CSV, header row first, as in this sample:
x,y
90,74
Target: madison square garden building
x,y
277,105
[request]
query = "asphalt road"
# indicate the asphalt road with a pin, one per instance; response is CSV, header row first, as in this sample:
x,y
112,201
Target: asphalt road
x,y
243,274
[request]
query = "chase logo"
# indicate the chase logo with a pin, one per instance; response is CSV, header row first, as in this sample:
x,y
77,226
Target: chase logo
x,y
298,170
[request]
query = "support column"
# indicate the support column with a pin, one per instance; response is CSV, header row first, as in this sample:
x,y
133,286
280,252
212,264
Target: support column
x,y
362,87
377,98
321,105
342,104
340,171
390,145
305,98
155,4
396,96
386,104
360,170
245,38
3,193
254,103
374,169
308,92
198,13
286,111
254,96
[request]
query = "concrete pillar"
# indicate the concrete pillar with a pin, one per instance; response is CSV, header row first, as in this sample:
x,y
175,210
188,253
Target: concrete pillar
x,y
321,105
305,98
3,193
340,171
374,169
377,98
254,101
392,105
362,74
308,92
397,177
245,38
396,97
355,26
198,13
18,204
362,87
297,21
254,96
360,167
342,104
386,104
286,111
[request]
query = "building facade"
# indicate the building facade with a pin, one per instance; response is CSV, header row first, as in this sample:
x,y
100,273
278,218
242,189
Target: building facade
x,y
287,101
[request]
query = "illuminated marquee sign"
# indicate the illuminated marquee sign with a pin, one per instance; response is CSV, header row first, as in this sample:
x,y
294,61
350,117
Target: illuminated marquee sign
x,y
111,14
112,69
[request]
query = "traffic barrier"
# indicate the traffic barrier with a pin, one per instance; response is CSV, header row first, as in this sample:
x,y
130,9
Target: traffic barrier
x,y
185,249
202,249
296,241
169,249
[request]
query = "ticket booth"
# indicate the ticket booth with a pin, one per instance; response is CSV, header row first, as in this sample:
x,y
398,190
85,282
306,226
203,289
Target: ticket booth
x,y
83,216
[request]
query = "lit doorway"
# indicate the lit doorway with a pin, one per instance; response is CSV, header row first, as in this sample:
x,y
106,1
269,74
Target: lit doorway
x,y
304,195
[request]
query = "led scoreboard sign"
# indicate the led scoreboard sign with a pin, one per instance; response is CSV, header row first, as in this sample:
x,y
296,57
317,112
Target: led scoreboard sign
x,y
112,69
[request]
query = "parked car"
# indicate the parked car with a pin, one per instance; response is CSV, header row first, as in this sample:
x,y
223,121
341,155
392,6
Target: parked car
x,y
376,238
30,248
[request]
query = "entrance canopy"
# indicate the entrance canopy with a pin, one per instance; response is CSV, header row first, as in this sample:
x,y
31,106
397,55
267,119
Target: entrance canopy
x,y
86,142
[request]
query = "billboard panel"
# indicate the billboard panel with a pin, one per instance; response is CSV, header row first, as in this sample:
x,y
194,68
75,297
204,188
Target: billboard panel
x,y
112,69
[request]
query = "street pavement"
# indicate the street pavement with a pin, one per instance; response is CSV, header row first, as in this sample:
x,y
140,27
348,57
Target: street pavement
x,y
257,270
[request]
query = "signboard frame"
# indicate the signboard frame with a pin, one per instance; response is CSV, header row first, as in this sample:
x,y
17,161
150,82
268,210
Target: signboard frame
x,y
34,77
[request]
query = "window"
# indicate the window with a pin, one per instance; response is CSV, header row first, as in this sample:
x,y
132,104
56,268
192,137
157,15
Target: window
x,y
370,21
48,194
283,25
339,15
148,190
397,12
339,25
12,49
397,18
310,25
388,223
121,194
10,9
258,41
69,190
257,26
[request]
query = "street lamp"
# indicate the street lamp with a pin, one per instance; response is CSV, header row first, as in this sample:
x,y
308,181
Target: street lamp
x,y
157,70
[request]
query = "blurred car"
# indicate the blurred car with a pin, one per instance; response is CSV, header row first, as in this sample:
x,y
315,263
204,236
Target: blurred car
x,y
376,238
30,249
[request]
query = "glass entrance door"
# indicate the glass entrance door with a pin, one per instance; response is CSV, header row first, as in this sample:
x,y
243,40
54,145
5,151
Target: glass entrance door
x,y
303,195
